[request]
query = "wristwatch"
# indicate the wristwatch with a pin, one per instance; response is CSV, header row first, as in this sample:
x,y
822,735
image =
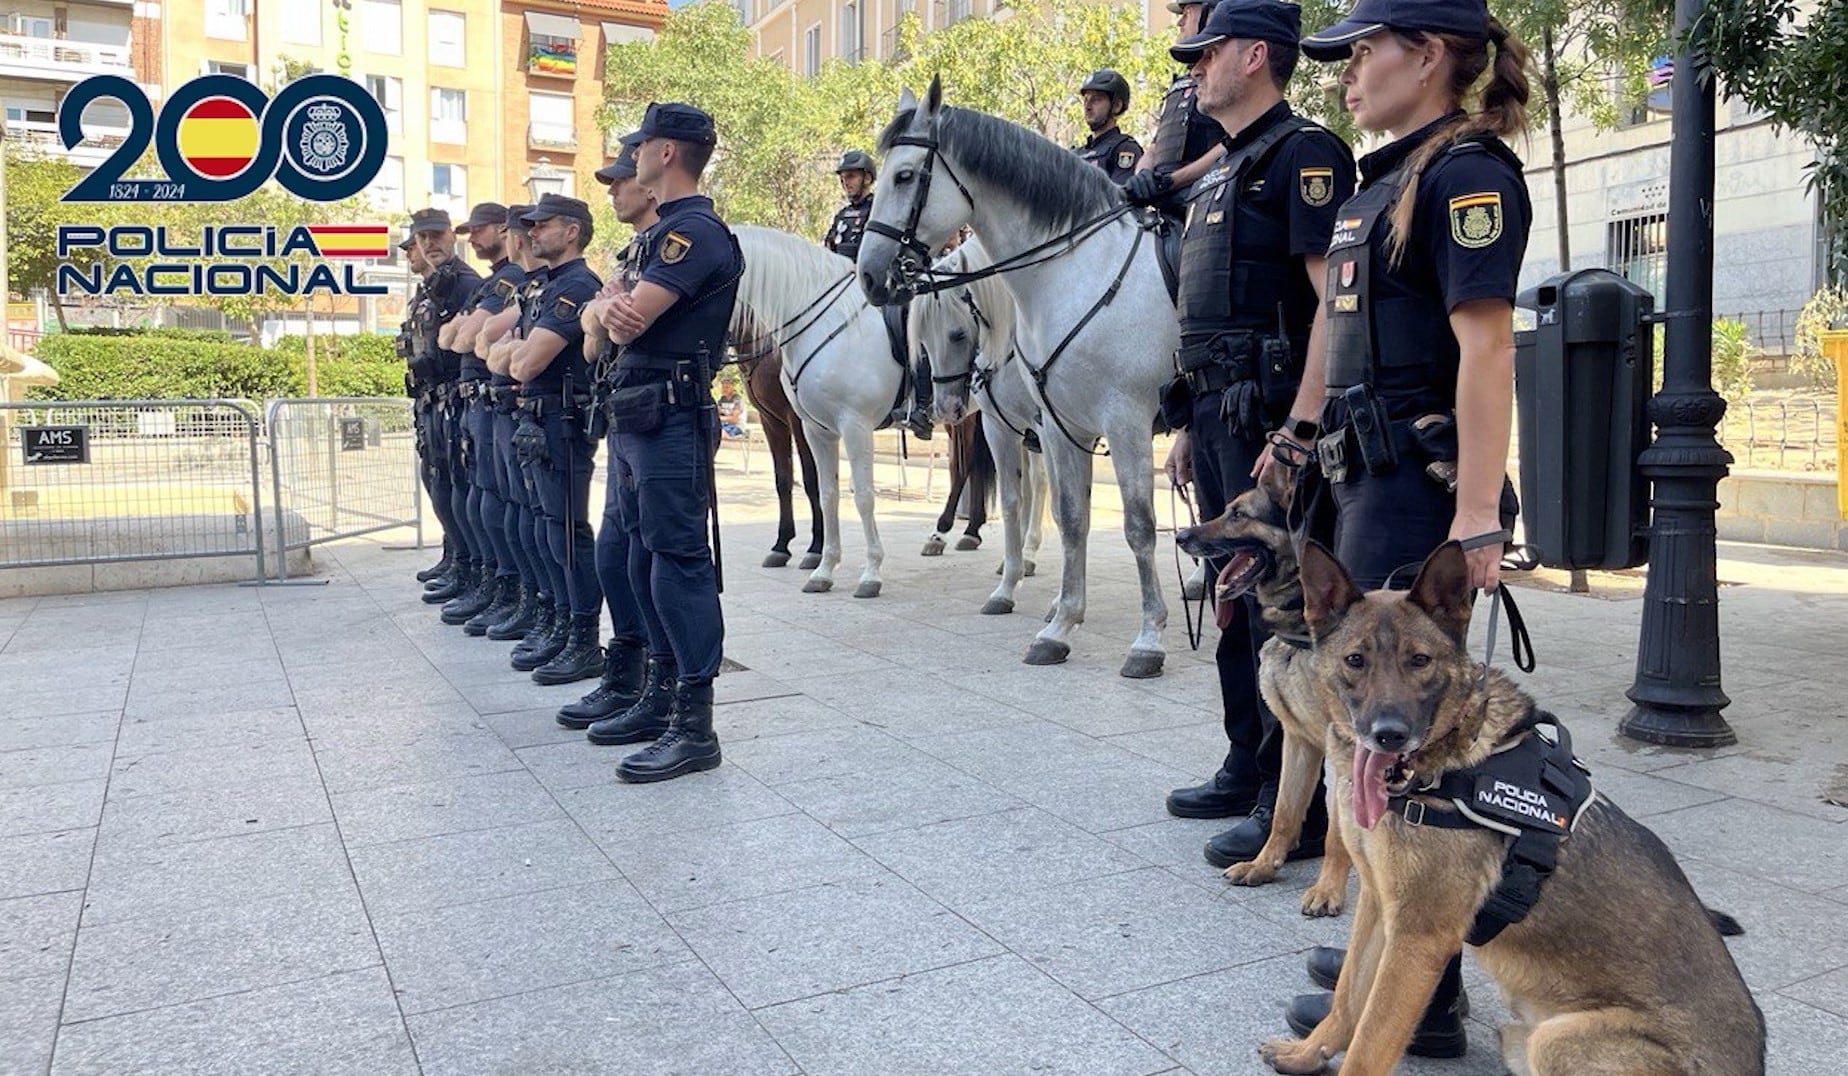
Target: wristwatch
x,y
1302,429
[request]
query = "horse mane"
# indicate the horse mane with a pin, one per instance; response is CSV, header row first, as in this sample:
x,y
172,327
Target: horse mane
x,y
784,273
1055,188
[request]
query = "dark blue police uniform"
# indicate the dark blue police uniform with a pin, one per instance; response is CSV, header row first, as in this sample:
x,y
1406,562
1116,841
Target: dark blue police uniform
x,y
849,227
1113,151
450,287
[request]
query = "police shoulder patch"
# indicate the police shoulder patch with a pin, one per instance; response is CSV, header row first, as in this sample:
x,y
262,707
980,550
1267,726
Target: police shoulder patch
x,y
1317,186
1126,159
564,308
1476,219
505,288
674,248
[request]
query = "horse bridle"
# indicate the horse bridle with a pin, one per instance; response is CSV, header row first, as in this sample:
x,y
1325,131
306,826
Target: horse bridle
x,y
914,257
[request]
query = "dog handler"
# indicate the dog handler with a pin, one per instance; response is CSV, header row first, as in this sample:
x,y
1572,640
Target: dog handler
x,y
1419,306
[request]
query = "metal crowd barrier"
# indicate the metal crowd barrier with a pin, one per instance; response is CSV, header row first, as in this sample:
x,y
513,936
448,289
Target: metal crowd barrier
x,y
101,481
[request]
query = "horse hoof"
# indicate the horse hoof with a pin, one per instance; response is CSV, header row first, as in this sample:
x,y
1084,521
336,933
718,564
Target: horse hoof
x,y
867,589
1027,568
776,559
818,586
997,607
1047,652
1143,664
968,542
933,547
810,562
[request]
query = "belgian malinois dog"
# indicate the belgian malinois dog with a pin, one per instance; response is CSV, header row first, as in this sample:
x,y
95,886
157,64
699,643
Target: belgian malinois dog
x,y
1255,538
1617,969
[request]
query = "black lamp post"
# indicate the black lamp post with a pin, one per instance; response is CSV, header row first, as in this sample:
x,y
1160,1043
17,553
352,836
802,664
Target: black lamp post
x,y
1677,690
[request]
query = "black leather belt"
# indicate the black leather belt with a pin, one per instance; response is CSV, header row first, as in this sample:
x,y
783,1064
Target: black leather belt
x,y
1209,379
541,406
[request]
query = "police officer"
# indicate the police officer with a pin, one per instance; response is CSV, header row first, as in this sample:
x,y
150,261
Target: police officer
x,y
437,575
625,659
486,232
450,285
1419,307
1106,97
673,323
1258,225
1186,143
556,435
533,620
856,173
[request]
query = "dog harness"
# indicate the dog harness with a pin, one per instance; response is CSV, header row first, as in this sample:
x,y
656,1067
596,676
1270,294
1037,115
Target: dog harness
x,y
1534,791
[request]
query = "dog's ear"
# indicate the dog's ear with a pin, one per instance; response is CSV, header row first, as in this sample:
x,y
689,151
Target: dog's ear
x,y
1279,483
1442,591
1328,591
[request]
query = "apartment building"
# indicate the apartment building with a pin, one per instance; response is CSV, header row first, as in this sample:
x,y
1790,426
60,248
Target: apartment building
x,y
48,46
804,34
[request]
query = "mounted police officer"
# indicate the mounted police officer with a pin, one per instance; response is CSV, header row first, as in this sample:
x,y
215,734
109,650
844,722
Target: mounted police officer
x,y
486,232
451,284
624,662
1186,143
673,325
1258,224
1106,98
555,433
856,172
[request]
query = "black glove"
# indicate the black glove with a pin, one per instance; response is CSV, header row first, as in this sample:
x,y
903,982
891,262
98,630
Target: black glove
x,y
1241,409
529,440
1149,185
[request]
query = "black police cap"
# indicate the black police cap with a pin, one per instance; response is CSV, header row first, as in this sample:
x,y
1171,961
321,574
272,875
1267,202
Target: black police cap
x,y
429,220
515,215
557,205
680,122
1242,20
484,215
623,167
1465,18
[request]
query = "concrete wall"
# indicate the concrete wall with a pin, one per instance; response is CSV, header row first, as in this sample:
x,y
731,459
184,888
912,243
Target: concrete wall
x,y
1782,508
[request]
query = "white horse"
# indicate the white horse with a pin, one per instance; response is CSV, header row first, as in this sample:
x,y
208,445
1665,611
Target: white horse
x,y
838,372
967,336
1096,330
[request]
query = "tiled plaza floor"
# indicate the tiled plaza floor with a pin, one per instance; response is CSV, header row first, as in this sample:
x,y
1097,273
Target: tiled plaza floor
x,y
312,830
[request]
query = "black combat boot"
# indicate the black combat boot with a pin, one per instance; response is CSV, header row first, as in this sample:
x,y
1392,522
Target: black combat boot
x,y
1232,792
505,595
548,645
1243,842
476,597
520,621
441,567
688,745
541,633
581,658
1441,1032
624,666
647,719
447,588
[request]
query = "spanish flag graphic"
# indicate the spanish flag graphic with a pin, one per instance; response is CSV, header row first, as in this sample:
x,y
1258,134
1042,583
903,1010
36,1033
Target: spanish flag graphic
x,y
218,137
351,240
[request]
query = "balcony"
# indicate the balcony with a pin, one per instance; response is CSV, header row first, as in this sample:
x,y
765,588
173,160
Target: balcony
x,y
550,136
55,58
98,143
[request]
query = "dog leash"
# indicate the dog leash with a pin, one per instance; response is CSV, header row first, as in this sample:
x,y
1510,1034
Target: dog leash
x,y
1196,624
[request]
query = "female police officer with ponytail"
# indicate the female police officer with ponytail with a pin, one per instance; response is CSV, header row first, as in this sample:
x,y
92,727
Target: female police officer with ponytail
x,y
1419,378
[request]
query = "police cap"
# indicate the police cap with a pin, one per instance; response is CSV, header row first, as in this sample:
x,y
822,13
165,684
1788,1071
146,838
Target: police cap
x,y
1464,18
623,167
429,220
1243,20
515,218
1176,6
557,205
1106,81
484,215
407,242
682,123
855,160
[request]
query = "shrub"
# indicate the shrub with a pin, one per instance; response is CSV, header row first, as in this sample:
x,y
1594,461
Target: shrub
x,y
190,364
1733,351
1826,310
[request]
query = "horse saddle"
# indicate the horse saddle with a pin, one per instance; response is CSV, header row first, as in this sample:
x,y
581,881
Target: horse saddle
x,y
897,319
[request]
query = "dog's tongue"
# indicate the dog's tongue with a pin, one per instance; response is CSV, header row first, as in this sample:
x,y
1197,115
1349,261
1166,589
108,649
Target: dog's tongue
x,y
1369,785
1230,589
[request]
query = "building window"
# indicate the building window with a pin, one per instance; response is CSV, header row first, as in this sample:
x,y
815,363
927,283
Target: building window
x,y
381,26
447,47
553,125
387,188
449,188
219,67
449,116
1637,248
552,44
957,11
29,26
388,91
850,32
811,51
225,19
301,24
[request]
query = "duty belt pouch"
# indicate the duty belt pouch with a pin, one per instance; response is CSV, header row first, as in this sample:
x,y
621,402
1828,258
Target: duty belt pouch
x,y
1176,404
1331,455
638,408
1436,437
1277,373
1372,430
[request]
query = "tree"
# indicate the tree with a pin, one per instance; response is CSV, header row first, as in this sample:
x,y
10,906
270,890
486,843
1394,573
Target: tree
x,y
34,185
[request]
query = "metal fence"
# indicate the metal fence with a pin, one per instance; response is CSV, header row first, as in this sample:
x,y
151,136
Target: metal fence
x,y
1783,435
105,481
341,467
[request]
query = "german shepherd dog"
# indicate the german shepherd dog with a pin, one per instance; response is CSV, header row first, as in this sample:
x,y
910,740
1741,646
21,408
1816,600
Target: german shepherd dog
x,y
1255,538
1618,969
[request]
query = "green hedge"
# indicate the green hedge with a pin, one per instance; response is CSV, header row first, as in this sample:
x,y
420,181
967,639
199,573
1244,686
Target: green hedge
x,y
189,364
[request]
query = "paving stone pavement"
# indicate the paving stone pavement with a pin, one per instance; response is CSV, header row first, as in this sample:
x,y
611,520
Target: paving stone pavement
x,y
310,829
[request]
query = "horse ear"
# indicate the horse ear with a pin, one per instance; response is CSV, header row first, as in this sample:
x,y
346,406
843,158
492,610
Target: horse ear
x,y
933,98
907,101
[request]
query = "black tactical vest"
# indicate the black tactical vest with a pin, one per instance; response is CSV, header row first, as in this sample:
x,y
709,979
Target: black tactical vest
x,y
1169,145
849,228
691,327
1226,288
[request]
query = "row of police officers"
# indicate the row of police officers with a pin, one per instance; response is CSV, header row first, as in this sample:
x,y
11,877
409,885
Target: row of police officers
x,y
519,377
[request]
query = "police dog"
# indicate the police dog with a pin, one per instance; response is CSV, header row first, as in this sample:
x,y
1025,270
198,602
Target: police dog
x,y
1255,538
1617,968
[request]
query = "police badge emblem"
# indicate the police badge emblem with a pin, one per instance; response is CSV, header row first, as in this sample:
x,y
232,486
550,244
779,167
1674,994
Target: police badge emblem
x,y
324,141
1476,219
1126,159
1317,186
1347,274
674,247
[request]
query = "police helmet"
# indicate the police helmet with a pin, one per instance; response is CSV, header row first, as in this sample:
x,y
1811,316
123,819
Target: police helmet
x,y
1108,82
856,160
